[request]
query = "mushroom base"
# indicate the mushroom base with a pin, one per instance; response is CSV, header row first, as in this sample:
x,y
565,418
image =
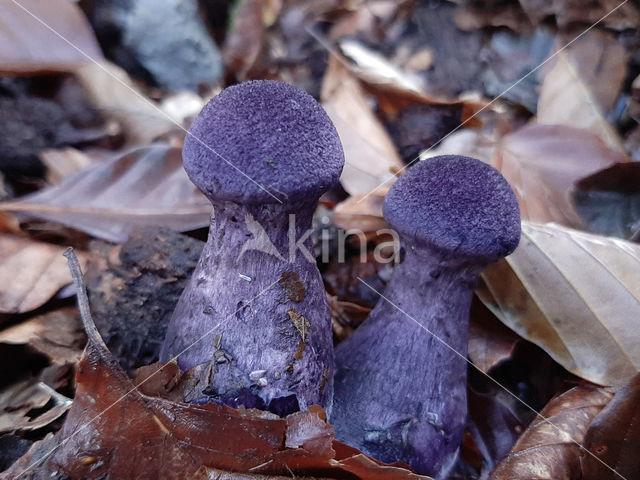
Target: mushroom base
x,y
400,385
253,324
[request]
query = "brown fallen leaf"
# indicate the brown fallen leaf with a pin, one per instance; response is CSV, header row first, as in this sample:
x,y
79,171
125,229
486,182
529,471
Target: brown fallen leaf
x,y
490,342
33,404
57,334
614,437
543,162
63,162
145,187
574,294
369,152
362,212
30,273
582,83
113,431
609,200
626,14
115,95
549,449
38,37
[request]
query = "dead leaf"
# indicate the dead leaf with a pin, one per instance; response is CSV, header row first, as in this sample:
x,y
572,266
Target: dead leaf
x,y
490,342
362,212
578,11
614,437
550,448
63,162
115,95
111,422
608,201
543,162
582,83
19,400
57,334
574,294
38,37
142,188
245,40
30,273
369,152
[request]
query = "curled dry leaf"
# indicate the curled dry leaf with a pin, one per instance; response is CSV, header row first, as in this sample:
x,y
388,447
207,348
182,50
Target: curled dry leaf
x,y
142,188
582,84
57,334
574,294
369,152
609,200
543,162
30,273
112,91
362,212
111,422
39,37
549,449
614,437
18,401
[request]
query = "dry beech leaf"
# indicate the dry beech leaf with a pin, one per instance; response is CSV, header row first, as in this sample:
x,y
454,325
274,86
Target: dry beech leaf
x,y
63,162
362,212
114,94
369,152
574,294
614,437
549,450
20,399
543,162
143,188
57,334
111,422
583,83
609,200
30,273
30,37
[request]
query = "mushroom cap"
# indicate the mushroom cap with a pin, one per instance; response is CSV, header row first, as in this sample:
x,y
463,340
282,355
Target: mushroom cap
x,y
263,141
458,205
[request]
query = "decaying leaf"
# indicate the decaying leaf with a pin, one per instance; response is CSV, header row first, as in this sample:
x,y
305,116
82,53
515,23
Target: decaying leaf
x,y
38,37
369,152
30,273
63,162
115,95
550,448
111,422
609,200
142,188
18,400
574,294
57,334
582,84
362,212
543,162
613,437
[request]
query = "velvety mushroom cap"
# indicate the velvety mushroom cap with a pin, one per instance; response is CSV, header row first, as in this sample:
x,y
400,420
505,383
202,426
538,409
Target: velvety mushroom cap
x,y
277,137
458,205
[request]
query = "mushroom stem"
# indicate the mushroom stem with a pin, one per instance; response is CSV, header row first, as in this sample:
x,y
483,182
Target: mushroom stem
x,y
272,347
400,391
420,421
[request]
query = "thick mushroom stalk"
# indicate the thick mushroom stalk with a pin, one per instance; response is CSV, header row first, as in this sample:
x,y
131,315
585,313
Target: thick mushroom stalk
x,y
400,392
254,322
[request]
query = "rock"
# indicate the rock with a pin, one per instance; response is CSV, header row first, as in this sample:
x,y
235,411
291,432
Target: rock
x,y
161,41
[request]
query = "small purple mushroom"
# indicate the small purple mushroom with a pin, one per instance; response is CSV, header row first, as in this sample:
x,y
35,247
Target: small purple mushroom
x,y
400,393
263,152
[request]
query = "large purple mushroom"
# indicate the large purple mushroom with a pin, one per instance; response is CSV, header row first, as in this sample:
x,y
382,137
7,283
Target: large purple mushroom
x,y
400,385
253,322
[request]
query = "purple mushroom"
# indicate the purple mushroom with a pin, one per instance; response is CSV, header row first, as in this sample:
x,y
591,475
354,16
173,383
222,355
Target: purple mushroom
x,y
254,322
400,392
